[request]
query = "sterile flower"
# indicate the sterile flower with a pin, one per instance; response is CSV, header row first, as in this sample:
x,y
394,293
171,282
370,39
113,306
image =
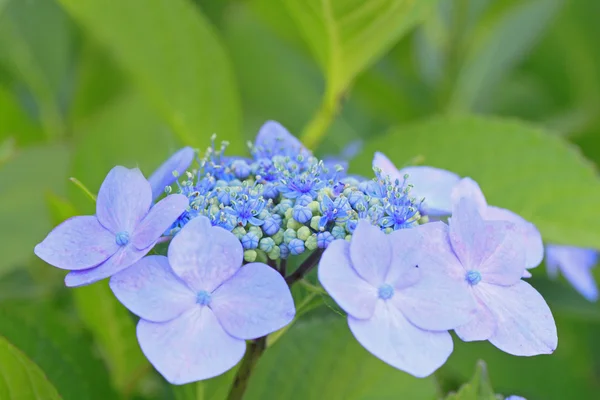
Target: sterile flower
x,y
199,305
168,172
399,299
123,230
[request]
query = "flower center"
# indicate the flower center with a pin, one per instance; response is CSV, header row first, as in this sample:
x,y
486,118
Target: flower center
x,y
203,298
386,291
122,238
473,277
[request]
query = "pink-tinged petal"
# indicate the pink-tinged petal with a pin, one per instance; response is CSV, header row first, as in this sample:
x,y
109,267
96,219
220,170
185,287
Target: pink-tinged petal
x,y
532,238
191,347
254,302
386,166
123,200
435,185
159,219
404,269
481,326
525,326
163,176
273,135
467,233
351,292
78,243
205,256
150,289
389,336
526,274
575,264
468,188
452,305
122,259
370,252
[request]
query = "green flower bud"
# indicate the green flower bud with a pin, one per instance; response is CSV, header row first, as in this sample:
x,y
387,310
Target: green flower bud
x,y
303,233
239,231
288,235
278,237
314,222
257,231
314,207
274,253
293,224
250,255
261,256
311,242
266,244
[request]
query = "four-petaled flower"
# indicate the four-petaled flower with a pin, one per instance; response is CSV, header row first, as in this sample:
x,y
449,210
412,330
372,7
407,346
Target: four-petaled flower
x,y
399,298
200,305
490,255
123,230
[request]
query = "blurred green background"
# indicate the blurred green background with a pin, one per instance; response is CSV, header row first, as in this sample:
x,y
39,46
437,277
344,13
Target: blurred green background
x,y
505,91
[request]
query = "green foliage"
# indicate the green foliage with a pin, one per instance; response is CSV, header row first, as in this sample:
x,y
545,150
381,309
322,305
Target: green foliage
x,y
21,378
479,388
319,358
176,59
498,155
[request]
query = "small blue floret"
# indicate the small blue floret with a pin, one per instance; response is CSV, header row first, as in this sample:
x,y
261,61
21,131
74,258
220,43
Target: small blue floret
x,y
122,238
203,298
473,277
386,291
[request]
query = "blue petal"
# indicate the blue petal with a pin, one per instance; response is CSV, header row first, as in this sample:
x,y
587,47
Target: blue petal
x,y
158,220
575,264
163,176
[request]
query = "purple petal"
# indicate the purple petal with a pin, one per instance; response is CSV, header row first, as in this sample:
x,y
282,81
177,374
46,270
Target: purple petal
x,y
352,293
404,269
191,347
525,323
77,243
370,252
272,134
389,336
440,273
532,238
526,274
481,326
163,176
494,248
123,200
575,264
150,289
254,302
122,259
158,220
205,256
433,184
468,188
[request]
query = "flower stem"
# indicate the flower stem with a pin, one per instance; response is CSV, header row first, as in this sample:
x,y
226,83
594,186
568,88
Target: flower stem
x,y
253,353
315,131
304,268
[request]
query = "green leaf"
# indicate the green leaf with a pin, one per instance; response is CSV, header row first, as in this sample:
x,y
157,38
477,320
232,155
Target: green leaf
x,y
15,123
24,216
519,167
348,36
113,329
479,388
216,388
21,378
175,57
65,356
498,44
320,359
39,57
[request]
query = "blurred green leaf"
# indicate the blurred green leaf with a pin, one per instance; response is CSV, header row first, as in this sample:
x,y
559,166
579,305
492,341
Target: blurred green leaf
x,y
113,329
518,166
24,217
65,356
479,388
216,388
175,57
320,359
14,121
499,42
21,378
125,132
40,57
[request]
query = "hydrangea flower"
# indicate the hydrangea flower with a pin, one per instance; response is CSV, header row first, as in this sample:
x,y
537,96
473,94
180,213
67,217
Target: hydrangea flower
x,y
200,305
575,265
168,172
514,397
123,230
490,256
399,299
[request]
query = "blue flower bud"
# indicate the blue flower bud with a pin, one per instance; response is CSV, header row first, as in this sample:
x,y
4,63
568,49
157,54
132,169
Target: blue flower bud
x,y
302,214
250,241
338,232
272,225
266,244
351,225
296,247
303,200
284,251
323,239
241,169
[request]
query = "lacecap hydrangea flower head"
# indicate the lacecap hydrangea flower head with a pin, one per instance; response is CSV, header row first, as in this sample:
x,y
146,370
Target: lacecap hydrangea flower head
x,y
227,226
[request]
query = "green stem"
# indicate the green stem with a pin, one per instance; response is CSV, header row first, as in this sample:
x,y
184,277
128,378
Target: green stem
x,y
315,131
253,353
